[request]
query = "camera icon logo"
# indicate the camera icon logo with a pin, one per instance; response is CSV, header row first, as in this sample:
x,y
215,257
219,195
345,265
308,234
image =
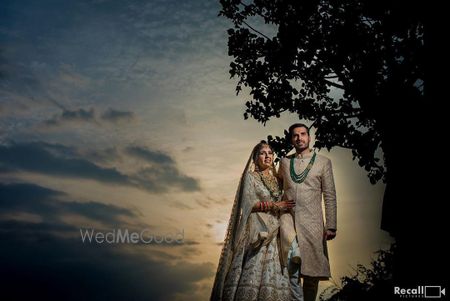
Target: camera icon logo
x,y
434,291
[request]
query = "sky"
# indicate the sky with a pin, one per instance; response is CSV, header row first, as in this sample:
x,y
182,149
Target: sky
x,y
122,115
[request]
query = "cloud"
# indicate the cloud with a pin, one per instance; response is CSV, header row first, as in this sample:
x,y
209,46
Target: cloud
x,y
204,203
115,116
35,255
105,156
59,160
81,116
162,173
148,155
62,268
37,157
181,206
76,116
47,203
163,177
208,202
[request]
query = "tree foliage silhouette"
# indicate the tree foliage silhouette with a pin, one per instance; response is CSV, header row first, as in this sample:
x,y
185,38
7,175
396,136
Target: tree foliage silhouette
x,y
366,51
369,284
354,69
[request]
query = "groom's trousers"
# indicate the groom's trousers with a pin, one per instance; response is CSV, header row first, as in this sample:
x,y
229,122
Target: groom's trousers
x,y
307,291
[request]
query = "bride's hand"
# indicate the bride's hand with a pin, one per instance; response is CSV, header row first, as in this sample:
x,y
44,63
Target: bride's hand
x,y
285,205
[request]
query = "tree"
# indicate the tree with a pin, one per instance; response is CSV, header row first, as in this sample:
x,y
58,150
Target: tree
x,y
367,50
372,55
368,284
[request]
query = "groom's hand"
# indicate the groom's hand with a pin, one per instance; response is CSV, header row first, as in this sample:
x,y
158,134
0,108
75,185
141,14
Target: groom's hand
x,y
330,234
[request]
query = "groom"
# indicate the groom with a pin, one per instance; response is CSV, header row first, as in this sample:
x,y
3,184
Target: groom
x,y
306,177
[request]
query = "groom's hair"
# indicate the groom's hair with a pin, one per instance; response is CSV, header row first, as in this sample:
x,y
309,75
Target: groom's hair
x,y
294,126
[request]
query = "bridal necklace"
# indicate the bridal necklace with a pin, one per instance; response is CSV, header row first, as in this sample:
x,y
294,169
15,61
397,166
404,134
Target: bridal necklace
x,y
271,184
299,178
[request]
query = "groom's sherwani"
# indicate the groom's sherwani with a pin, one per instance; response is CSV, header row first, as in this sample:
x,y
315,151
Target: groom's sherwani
x,y
309,223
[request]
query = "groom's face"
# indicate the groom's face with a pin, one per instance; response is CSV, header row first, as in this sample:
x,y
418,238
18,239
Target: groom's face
x,y
300,138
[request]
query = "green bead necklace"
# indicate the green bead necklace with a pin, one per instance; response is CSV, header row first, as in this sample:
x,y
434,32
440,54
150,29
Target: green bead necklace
x,y
299,178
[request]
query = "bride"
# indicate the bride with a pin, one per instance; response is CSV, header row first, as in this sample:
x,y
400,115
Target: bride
x,y
250,265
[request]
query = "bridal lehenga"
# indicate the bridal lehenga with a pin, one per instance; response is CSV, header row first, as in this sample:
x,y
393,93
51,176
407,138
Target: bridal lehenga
x,y
250,267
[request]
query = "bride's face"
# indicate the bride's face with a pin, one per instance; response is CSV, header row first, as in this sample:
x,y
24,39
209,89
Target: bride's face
x,y
265,158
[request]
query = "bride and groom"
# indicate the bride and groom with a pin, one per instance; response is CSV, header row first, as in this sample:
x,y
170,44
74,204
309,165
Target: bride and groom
x,y
275,246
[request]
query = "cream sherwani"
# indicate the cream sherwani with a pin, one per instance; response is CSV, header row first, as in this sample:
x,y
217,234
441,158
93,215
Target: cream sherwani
x,y
309,222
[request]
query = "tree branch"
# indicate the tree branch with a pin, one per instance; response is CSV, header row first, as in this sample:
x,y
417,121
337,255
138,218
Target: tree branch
x,y
258,32
334,84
